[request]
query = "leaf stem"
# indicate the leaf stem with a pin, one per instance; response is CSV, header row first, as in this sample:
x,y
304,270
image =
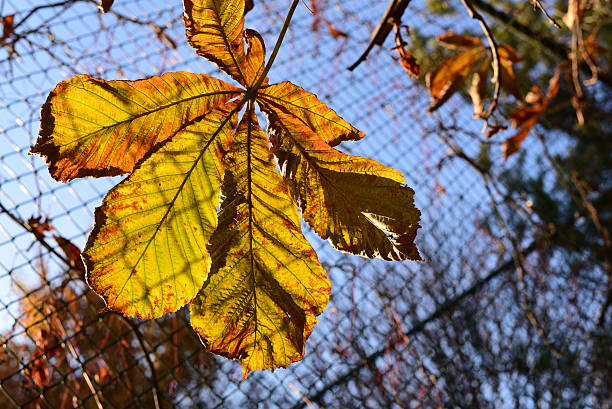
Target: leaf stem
x,y
253,90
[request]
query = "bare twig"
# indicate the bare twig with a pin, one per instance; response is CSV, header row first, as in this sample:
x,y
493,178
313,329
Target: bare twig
x,y
538,5
23,224
146,353
393,13
418,327
495,63
548,44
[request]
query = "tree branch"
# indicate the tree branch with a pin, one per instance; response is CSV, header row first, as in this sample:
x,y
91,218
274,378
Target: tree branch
x,y
393,13
445,308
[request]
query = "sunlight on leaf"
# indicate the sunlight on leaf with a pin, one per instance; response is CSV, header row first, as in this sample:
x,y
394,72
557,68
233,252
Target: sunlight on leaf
x,y
92,127
339,194
204,212
266,286
147,253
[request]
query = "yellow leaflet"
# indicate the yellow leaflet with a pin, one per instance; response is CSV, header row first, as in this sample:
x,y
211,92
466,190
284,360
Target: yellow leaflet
x,y
361,206
266,285
289,98
147,254
92,127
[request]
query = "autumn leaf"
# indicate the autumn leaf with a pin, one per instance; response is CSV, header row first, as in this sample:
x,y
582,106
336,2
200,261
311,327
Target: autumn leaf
x,y
318,18
103,128
474,60
448,77
457,41
8,26
526,117
147,255
406,58
71,251
248,6
39,226
204,218
338,193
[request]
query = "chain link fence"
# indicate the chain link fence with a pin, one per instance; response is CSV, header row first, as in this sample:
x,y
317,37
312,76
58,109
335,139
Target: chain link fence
x,y
493,318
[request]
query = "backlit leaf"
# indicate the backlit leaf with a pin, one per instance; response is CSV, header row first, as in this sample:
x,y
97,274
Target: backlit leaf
x,y
266,285
457,41
449,76
339,194
526,118
204,216
147,254
289,98
255,59
92,127
215,28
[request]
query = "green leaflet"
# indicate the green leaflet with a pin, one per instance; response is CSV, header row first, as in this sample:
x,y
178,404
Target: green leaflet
x,y
266,285
147,253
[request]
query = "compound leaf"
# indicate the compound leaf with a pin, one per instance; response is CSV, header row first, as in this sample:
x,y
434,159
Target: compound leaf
x,y
266,285
205,218
340,195
92,127
147,253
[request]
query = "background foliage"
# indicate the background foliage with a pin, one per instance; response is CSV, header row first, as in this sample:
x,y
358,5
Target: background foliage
x,y
510,310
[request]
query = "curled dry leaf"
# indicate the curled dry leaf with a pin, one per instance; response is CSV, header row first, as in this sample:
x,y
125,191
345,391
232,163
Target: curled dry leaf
x,y
72,252
525,118
318,18
39,226
248,6
474,59
408,61
334,32
8,26
204,218
448,77
457,41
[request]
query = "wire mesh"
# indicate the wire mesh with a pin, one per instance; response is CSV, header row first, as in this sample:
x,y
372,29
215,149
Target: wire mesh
x,y
450,332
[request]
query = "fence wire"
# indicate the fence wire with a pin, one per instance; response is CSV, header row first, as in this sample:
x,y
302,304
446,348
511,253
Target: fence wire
x,y
467,328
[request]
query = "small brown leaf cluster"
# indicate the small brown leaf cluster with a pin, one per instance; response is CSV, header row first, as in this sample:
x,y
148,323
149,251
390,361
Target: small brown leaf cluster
x,y
319,19
8,26
406,58
474,60
526,117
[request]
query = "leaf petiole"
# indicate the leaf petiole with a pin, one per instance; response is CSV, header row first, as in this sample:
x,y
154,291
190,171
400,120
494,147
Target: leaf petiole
x,y
253,90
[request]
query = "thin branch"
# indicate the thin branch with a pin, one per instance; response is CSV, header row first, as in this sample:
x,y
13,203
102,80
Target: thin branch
x,y
281,36
496,63
549,44
29,229
538,5
393,13
146,353
445,308
46,6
